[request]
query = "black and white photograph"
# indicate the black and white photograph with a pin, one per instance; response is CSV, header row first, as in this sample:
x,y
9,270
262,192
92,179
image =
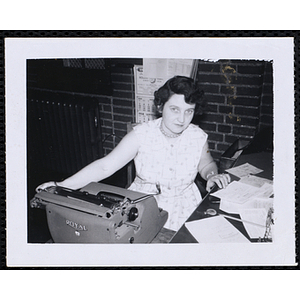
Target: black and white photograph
x,y
150,152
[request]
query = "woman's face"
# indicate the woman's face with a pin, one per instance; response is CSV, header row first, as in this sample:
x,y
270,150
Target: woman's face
x,y
177,114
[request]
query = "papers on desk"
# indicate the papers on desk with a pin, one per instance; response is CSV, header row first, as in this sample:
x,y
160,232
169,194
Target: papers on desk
x,y
250,197
249,192
238,194
215,230
253,203
244,170
255,181
258,216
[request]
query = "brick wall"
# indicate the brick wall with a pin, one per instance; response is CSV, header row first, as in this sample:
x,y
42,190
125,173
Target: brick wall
x,y
235,90
266,108
119,109
239,102
238,93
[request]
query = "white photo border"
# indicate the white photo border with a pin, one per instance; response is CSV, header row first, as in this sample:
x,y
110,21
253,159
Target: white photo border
x,y
22,254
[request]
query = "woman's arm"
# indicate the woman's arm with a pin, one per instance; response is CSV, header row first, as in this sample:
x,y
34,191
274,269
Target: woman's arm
x,y
209,171
101,168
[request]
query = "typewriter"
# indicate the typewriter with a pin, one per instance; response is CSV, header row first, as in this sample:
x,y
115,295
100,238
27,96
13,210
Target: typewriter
x,y
100,213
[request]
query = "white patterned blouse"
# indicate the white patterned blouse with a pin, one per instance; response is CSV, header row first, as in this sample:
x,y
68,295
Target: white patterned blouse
x,y
174,164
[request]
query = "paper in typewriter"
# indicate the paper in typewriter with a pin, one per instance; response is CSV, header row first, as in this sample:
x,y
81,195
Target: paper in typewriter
x,y
215,230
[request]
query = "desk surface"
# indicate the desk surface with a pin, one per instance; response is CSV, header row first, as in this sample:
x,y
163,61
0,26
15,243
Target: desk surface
x,y
262,160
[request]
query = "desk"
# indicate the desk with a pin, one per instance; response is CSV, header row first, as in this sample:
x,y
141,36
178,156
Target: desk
x,y
262,160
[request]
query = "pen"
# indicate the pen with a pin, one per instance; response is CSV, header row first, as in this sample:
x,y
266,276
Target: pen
x,y
241,220
213,212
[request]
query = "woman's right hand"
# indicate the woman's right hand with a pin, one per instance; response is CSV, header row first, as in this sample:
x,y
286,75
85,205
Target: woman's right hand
x,y
45,185
221,180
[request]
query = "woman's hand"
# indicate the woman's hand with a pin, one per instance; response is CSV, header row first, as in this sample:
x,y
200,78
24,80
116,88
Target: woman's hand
x,y
221,180
45,185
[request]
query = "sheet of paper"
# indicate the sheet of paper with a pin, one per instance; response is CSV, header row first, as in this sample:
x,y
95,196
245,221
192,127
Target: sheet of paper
x,y
254,180
155,67
237,192
244,170
167,68
253,203
145,85
238,195
215,230
145,108
255,215
180,67
266,190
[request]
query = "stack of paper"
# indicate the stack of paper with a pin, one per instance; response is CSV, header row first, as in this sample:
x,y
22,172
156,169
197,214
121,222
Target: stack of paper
x,y
250,197
255,181
237,196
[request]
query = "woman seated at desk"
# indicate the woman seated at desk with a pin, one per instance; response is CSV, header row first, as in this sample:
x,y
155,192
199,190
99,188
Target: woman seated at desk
x,y
168,151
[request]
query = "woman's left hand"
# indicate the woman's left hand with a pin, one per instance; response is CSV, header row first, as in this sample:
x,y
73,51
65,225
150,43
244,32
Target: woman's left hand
x,y
221,180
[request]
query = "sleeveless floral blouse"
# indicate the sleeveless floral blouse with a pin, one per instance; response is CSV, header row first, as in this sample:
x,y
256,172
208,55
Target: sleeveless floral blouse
x,y
171,164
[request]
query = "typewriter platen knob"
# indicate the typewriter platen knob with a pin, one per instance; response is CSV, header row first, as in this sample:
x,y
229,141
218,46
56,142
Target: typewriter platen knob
x,y
133,214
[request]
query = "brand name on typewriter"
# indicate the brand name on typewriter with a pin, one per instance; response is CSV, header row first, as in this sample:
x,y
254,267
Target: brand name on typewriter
x,y
76,225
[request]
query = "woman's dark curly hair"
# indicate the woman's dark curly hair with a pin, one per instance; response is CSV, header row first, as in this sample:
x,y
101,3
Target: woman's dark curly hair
x,y
183,86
